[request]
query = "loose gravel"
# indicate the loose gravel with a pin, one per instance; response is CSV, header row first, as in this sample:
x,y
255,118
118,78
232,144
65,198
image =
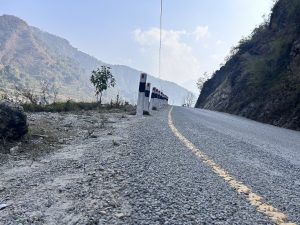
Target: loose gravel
x,y
77,183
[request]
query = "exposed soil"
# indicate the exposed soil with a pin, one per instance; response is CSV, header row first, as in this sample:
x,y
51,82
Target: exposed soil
x,y
66,170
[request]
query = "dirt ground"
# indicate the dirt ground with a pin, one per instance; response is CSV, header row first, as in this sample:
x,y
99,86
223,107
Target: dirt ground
x,y
65,171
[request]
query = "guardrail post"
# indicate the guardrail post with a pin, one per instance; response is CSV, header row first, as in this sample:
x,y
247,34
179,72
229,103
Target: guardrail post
x,y
159,100
152,99
141,96
146,100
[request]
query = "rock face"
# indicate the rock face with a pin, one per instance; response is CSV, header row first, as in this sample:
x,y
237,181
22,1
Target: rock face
x,y
261,79
13,121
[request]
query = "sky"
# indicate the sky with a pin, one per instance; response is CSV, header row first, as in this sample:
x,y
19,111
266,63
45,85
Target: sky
x,y
196,37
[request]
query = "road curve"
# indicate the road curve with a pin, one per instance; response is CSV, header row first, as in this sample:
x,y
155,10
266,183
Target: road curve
x,y
168,184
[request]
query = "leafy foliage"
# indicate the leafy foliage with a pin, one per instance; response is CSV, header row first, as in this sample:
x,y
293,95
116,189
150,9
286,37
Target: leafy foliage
x,y
201,80
102,80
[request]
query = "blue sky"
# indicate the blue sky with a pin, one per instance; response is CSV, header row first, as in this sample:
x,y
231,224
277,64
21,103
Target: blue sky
x,y
197,34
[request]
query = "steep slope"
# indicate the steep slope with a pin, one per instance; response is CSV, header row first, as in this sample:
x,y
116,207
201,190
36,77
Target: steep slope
x,y
29,55
261,80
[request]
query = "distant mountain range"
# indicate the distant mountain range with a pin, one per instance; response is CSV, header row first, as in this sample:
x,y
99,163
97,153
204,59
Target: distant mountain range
x,y
261,79
29,55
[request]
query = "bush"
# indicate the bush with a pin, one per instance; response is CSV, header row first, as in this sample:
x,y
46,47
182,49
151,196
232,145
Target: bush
x,y
61,106
69,106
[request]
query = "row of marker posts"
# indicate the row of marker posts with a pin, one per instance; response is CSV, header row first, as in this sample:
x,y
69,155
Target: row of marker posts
x,y
147,102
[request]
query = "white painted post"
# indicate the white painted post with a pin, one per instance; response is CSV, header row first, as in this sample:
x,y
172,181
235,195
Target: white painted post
x,y
159,100
146,100
152,98
141,96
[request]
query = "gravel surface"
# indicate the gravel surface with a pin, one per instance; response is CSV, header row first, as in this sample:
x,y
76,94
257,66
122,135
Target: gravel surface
x,y
135,171
79,182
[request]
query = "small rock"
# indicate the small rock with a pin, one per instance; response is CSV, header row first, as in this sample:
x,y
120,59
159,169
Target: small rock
x,y
2,188
14,150
119,215
3,206
68,125
61,141
94,136
115,143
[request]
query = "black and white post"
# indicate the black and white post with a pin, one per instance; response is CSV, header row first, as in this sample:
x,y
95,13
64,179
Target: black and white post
x,y
153,99
159,99
146,100
141,96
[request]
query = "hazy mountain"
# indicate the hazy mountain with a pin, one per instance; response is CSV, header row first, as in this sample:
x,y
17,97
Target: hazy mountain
x,y
29,55
261,79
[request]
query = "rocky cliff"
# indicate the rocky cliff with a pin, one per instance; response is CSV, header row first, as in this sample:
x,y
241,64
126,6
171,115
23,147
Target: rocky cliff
x,y
261,79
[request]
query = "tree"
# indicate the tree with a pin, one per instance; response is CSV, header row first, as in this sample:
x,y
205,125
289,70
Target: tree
x,y
55,90
102,80
189,100
201,80
45,91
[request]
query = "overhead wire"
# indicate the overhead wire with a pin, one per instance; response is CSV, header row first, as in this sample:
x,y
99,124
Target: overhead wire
x,y
160,39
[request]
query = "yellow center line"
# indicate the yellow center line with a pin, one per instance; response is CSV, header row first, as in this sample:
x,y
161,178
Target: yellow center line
x,y
254,199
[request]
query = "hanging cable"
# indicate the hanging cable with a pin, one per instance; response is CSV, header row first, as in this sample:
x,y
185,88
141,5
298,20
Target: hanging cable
x,y
160,41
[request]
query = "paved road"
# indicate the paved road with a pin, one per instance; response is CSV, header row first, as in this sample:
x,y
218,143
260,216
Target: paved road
x,y
168,184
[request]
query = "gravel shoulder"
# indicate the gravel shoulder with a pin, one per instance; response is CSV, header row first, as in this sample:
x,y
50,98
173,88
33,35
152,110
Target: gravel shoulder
x,y
69,173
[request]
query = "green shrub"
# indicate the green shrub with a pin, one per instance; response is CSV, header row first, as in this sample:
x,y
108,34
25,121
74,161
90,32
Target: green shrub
x,y
75,106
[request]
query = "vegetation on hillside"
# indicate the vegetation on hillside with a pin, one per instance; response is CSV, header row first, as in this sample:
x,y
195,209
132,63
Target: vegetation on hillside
x,y
33,55
261,78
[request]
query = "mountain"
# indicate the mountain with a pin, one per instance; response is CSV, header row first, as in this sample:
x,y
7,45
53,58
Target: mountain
x,y
261,79
29,55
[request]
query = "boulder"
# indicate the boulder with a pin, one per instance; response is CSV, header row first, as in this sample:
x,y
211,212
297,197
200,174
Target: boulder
x,y
13,121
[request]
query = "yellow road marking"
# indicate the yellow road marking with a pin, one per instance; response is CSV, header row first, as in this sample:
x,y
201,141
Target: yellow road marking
x,y
255,200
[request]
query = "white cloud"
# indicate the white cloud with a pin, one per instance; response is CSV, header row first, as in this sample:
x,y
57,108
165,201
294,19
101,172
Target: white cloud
x,y
178,63
201,32
219,42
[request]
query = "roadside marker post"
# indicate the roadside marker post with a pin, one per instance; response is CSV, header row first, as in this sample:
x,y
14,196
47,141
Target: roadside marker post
x,y
152,98
159,99
156,99
141,96
146,99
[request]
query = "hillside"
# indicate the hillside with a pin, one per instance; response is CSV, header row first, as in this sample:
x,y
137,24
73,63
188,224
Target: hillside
x,y
29,55
261,79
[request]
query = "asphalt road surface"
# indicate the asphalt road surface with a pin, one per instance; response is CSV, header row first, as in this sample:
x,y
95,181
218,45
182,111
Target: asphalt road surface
x,y
171,184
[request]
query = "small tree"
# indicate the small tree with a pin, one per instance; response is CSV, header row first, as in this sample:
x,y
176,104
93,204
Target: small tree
x,y
201,80
102,80
55,90
45,91
189,100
